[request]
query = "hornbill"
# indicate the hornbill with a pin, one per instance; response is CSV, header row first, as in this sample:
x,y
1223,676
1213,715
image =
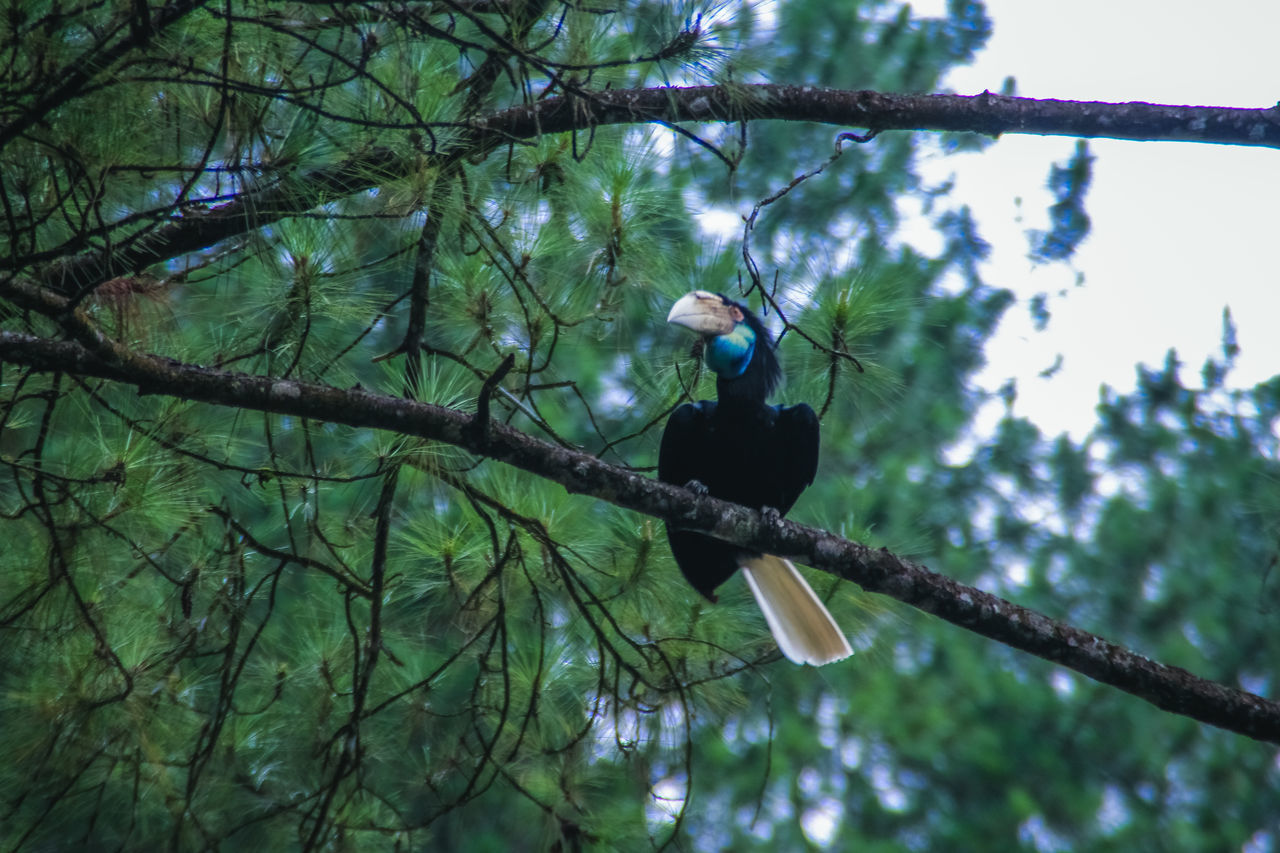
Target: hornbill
x,y
740,449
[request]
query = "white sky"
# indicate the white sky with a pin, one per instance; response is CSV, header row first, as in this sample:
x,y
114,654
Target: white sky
x,y
1179,229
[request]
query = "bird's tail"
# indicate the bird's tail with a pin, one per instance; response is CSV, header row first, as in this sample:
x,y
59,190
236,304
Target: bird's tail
x,y
802,627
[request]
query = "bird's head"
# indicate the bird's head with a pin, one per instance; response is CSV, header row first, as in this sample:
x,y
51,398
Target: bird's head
x,y
730,340
735,338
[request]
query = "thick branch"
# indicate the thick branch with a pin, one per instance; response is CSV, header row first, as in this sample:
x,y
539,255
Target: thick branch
x,y
201,228
1167,687
984,113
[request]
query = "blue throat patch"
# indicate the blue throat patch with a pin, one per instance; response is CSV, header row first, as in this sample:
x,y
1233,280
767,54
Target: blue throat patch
x,y
728,355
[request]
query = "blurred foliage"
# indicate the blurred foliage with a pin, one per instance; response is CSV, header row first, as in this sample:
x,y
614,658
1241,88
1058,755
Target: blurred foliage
x,y
1068,222
230,629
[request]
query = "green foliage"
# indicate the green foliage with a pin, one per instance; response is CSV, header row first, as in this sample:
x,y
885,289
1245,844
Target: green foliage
x,y
230,629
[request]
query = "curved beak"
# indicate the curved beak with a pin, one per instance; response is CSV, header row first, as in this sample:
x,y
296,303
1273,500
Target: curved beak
x,y
705,313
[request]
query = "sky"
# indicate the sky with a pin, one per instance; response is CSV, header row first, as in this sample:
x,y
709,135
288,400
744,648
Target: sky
x,y
1180,230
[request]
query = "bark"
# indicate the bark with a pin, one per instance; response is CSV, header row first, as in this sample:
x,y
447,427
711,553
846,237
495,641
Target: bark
x,y
1170,688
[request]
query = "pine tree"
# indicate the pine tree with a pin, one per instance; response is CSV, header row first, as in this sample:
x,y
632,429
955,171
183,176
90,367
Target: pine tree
x,y
254,596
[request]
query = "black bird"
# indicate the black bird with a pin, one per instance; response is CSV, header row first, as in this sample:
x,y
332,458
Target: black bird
x,y
740,449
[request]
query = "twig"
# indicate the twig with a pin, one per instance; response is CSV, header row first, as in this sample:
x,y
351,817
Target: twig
x,y
481,421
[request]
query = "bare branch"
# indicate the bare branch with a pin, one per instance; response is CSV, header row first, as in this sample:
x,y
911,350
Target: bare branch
x,y
986,113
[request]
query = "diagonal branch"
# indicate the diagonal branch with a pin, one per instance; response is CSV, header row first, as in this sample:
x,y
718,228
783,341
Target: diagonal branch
x,y
70,80
986,113
1167,687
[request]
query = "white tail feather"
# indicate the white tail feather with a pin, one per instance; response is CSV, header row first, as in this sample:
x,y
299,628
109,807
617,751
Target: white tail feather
x,y
802,627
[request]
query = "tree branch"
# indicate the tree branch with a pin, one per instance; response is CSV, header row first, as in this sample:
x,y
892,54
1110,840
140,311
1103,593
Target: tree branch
x,y
1170,688
986,113
70,80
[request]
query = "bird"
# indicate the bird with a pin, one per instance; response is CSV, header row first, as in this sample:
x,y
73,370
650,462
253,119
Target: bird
x,y
738,448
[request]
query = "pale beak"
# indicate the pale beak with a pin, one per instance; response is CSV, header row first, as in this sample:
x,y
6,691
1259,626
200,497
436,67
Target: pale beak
x,y
705,313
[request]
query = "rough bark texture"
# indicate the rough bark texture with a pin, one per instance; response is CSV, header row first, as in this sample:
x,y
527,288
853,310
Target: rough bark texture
x,y
1167,687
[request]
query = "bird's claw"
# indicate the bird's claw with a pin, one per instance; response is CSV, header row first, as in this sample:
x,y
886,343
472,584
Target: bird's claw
x,y
770,515
698,488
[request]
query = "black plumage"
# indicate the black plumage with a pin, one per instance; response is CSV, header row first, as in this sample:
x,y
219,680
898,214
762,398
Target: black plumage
x,y
741,449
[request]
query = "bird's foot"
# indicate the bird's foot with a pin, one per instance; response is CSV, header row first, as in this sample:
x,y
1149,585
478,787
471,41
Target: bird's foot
x,y
772,521
698,488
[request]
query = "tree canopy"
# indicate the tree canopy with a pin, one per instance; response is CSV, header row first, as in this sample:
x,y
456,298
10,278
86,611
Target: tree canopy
x,y
332,373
